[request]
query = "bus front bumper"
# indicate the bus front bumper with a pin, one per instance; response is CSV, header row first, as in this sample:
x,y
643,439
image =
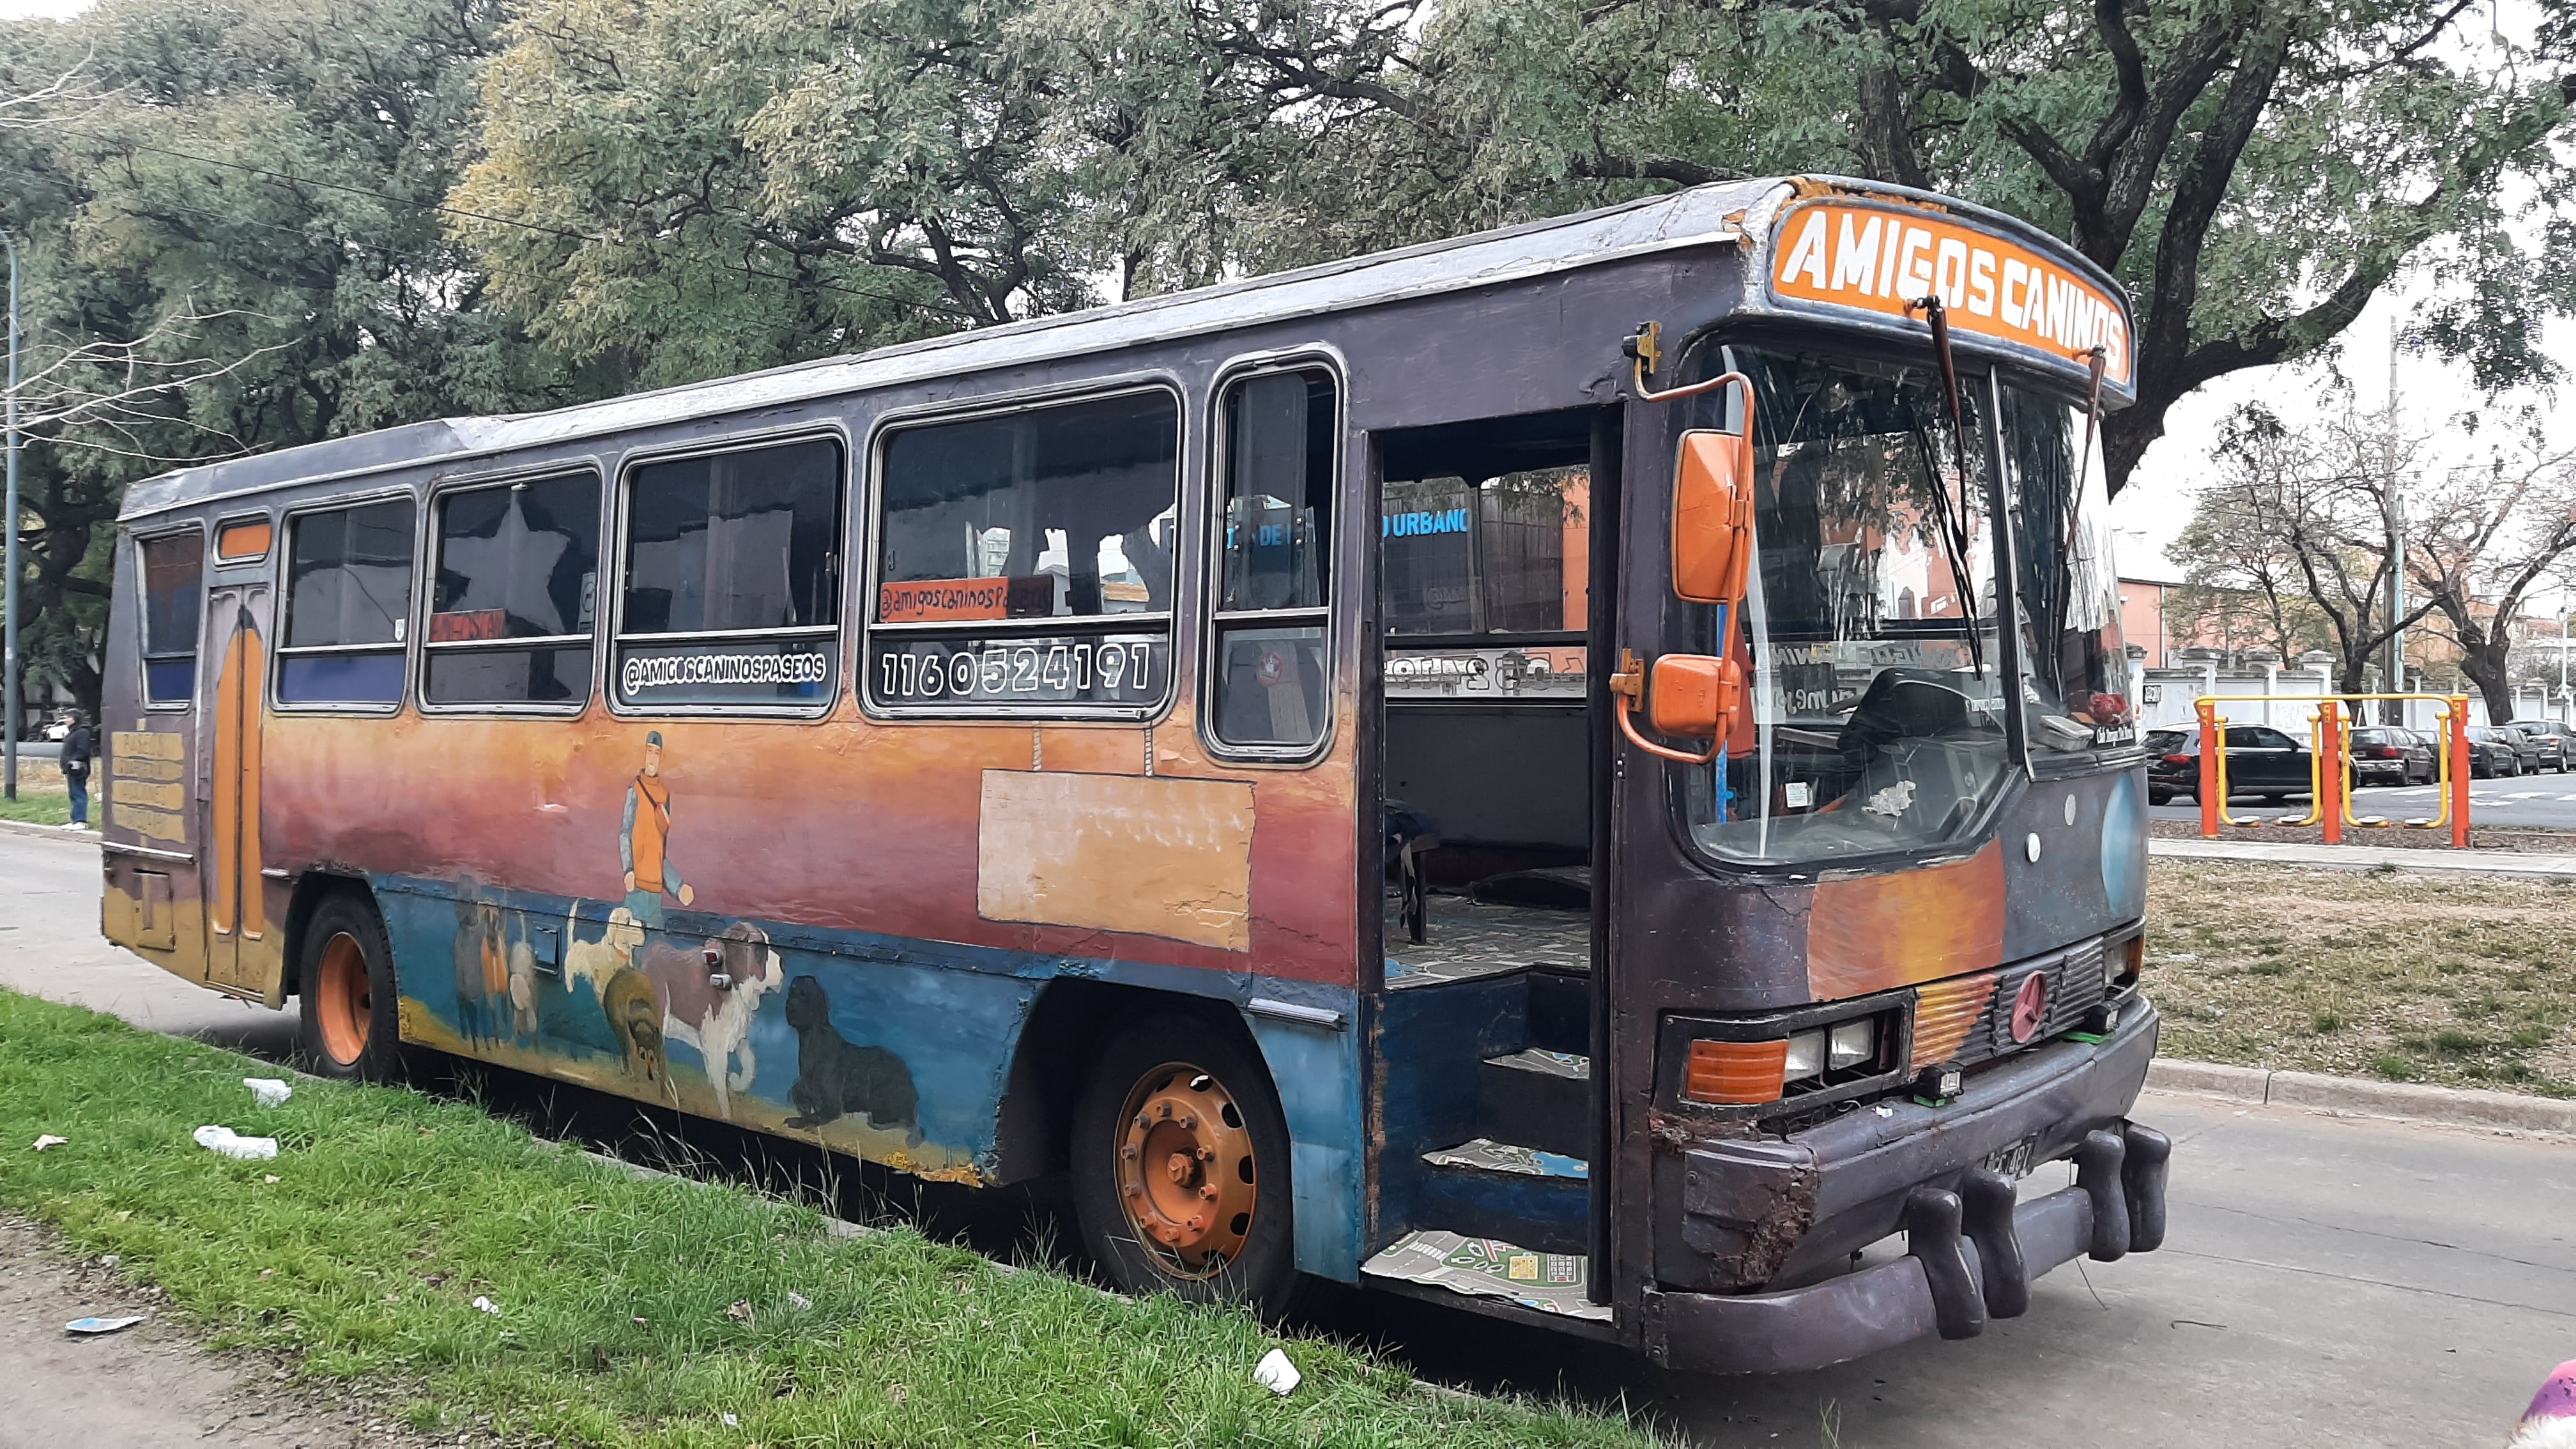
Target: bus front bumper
x,y
1933,1173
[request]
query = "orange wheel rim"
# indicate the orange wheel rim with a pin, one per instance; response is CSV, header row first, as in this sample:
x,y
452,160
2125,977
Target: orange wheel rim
x,y
344,1007
1185,1171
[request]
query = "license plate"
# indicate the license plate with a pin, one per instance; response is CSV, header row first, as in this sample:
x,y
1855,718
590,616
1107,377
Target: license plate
x,y
2014,1161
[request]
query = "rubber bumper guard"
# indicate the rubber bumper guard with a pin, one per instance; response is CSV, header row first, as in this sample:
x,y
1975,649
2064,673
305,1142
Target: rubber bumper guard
x,y
1970,1256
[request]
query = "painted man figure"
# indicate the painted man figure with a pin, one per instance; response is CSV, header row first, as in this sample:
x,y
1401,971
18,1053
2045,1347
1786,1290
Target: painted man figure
x,y
644,843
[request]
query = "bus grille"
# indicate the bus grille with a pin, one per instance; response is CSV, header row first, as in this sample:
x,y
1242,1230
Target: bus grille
x,y
1944,1014
1969,1018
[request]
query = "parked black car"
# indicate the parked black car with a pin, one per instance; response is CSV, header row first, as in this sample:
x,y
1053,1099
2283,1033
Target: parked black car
x,y
2260,761
2554,739
2500,750
2389,755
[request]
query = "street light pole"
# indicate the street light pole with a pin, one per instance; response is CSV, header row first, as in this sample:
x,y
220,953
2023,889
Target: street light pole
x,y
10,645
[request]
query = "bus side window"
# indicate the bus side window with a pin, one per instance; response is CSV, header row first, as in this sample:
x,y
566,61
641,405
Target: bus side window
x,y
1272,671
174,601
1026,559
732,589
348,597
513,589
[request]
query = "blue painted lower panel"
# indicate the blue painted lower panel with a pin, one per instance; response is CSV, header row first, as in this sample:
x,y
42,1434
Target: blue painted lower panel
x,y
1317,1070
889,1048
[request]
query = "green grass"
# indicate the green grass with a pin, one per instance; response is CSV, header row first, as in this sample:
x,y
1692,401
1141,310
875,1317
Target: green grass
x,y
2459,982
632,1310
42,797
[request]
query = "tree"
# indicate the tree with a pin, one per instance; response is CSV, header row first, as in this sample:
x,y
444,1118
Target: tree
x,y
2492,532
232,219
2252,172
2297,523
693,187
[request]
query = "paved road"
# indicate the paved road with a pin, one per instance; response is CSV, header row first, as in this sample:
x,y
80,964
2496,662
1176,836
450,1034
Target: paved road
x,y
2327,1281
2541,800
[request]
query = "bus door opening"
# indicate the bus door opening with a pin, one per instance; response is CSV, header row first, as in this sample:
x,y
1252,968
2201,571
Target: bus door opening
x,y
1486,537
241,954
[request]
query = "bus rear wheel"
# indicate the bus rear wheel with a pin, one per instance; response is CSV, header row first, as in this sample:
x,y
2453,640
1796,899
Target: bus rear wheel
x,y
1180,1166
350,1025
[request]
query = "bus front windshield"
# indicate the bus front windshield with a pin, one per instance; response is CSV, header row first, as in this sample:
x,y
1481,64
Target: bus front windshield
x,y
1875,688
2075,690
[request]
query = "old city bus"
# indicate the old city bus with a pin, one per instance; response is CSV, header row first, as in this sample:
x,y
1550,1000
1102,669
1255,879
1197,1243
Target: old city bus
x,y
1581,772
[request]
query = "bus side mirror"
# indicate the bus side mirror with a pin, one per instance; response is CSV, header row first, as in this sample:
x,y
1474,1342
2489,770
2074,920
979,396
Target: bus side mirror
x,y
1695,696
1713,508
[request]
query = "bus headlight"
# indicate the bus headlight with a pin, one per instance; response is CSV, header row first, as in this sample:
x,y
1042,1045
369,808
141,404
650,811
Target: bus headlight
x,y
1806,1057
1851,1043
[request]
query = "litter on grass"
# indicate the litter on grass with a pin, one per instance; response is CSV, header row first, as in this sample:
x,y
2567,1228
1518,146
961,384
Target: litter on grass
x,y
800,1300
232,1144
269,1091
92,1327
50,1140
1277,1374
487,1305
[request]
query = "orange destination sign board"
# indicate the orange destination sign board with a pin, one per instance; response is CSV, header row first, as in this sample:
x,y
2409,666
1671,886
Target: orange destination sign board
x,y
1880,259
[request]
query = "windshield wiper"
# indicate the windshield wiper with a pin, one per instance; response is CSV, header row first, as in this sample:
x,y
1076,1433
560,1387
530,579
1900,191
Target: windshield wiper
x,y
1951,523
2061,597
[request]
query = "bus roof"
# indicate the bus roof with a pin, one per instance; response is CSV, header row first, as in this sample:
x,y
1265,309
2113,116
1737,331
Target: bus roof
x,y
1701,216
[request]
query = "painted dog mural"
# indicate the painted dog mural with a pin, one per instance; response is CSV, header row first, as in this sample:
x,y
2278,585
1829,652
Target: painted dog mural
x,y
836,1077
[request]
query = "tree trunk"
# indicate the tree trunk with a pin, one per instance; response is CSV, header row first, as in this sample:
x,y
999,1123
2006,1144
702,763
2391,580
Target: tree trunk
x,y
2482,660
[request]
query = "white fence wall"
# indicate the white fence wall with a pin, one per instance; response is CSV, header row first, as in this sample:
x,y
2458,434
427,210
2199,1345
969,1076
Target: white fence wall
x,y
2165,699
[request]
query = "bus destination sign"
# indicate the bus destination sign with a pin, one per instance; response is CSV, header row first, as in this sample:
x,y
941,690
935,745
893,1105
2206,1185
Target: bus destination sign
x,y
1882,259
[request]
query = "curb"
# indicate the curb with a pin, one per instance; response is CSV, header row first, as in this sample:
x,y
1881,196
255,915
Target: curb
x,y
88,835
2519,864
2360,1097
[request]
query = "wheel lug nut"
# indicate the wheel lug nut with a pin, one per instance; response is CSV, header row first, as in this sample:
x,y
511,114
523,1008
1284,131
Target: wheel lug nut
x,y
1208,1192
1127,1153
1189,1124
1207,1154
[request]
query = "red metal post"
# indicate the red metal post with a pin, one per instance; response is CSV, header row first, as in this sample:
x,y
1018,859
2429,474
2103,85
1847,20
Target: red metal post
x,y
2211,807
2330,769
2459,747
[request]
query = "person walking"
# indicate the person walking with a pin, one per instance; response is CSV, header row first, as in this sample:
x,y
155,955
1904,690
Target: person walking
x,y
79,748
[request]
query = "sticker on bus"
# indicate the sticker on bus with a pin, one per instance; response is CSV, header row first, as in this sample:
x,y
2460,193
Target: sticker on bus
x,y
733,672
926,601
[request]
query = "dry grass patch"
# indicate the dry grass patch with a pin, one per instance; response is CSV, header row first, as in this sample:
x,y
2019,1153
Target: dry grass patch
x,y
2457,982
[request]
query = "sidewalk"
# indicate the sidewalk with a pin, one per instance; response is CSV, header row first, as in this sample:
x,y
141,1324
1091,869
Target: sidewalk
x,y
2370,857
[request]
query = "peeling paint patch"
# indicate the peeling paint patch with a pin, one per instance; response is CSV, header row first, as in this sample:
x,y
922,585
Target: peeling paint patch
x,y
1145,856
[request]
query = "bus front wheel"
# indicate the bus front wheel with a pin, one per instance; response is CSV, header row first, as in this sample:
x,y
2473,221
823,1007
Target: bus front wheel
x,y
350,1027
1180,1166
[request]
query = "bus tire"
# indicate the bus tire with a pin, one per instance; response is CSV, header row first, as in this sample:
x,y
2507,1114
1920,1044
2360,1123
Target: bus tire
x,y
1180,1166
350,1026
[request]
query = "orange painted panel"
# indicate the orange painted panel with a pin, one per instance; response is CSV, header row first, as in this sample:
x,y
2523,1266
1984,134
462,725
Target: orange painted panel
x,y
225,825
1883,931
236,542
251,890
848,823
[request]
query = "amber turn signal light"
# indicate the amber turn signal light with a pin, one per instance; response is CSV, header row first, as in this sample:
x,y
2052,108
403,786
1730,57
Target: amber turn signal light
x,y
1732,1073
